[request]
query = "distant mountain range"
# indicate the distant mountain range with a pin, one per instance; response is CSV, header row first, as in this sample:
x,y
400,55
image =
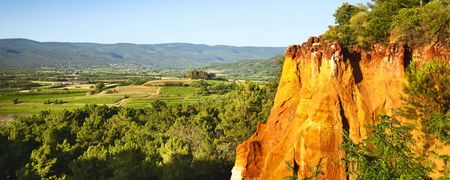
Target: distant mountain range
x,y
26,53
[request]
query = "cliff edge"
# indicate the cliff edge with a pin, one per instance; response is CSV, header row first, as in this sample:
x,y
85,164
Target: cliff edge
x,y
324,90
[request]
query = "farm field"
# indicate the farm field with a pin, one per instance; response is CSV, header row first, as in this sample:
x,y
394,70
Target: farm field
x,y
72,95
165,81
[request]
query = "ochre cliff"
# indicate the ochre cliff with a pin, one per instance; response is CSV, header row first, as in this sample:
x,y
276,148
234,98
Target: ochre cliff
x,y
324,90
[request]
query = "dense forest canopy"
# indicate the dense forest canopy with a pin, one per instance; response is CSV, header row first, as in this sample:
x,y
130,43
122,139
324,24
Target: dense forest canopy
x,y
194,141
413,22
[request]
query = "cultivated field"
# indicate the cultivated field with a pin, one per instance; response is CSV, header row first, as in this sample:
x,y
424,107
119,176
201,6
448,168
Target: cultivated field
x,y
161,82
75,95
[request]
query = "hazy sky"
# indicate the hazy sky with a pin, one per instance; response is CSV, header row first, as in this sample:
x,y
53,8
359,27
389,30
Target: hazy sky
x,y
230,22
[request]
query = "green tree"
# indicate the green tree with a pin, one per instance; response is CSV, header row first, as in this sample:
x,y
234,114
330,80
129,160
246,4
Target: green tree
x,y
97,88
345,12
240,115
436,21
367,25
343,32
380,18
43,162
196,74
427,98
388,153
358,23
92,164
407,26
130,163
158,105
176,158
181,141
426,24
15,101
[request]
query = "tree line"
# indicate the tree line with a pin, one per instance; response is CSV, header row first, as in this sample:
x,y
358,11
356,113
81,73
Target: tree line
x,y
187,141
412,22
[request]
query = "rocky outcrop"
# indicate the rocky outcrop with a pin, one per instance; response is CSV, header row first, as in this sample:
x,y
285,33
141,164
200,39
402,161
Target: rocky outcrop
x,y
324,90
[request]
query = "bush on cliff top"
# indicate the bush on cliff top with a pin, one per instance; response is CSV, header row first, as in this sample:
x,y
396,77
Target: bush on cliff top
x,y
411,22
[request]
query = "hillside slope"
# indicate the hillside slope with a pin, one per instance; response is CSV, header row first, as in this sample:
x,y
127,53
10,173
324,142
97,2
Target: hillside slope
x,y
28,53
266,69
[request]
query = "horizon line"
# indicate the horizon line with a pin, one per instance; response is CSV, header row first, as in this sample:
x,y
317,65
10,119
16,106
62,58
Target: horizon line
x,y
162,43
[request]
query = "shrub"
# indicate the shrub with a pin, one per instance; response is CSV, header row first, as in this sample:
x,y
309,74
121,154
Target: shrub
x,y
15,101
110,91
200,83
427,97
56,101
99,87
388,153
173,83
196,74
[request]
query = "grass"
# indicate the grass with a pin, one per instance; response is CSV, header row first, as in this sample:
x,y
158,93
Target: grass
x,y
168,100
169,95
162,81
137,96
36,97
32,108
93,99
218,82
139,90
177,90
32,102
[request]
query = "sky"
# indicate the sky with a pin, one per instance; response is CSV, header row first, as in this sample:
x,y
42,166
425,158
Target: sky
x,y
213,22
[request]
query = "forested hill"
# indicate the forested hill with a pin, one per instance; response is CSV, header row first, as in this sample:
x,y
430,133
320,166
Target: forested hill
x,y
28,53
267,69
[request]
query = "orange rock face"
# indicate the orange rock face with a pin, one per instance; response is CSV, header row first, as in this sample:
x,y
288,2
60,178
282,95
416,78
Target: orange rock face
x,y
324,90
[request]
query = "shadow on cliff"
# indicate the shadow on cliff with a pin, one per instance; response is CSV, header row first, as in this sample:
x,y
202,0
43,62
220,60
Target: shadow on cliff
x,y
345,123
408,56
354,58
